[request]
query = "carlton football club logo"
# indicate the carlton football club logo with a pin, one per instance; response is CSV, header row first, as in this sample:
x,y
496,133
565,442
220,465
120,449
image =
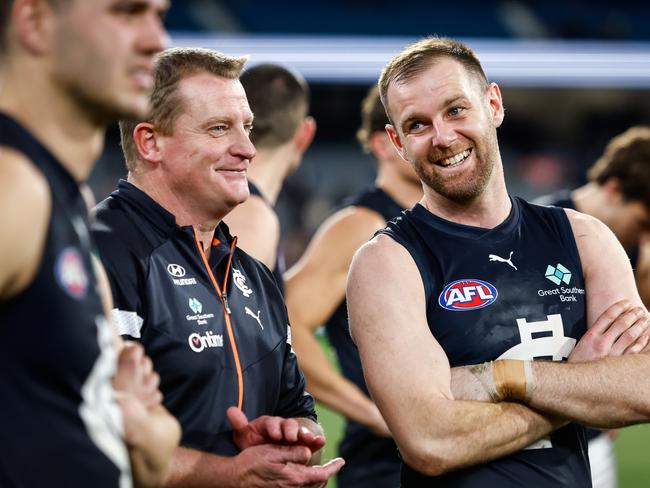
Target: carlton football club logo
x,y
71,274
467,294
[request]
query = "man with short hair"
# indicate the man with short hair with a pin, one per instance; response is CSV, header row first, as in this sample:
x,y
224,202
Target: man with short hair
x,y
471,276
618,194
279,99
210,316
67,70
315,294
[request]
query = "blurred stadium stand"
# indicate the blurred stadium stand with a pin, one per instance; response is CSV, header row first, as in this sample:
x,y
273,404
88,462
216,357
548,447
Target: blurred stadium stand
x,y
573,74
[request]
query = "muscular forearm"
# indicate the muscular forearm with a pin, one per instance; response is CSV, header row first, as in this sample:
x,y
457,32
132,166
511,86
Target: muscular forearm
x,y
332,389
610,392
465,433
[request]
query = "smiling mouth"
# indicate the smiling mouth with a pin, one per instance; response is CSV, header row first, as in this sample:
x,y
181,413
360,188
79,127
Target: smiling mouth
x,y
455,159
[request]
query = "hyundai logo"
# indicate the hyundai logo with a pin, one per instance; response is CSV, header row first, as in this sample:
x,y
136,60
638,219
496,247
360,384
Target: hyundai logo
x,y
176,270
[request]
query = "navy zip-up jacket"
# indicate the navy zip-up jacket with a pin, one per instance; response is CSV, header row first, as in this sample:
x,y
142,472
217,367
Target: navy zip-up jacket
x,y
216,329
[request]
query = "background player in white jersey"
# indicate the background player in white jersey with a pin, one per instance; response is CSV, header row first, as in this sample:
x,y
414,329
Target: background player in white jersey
x,y
444,115
68,68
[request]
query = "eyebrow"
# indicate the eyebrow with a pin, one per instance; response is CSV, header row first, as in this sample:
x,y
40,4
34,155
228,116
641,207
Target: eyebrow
x,y
449,101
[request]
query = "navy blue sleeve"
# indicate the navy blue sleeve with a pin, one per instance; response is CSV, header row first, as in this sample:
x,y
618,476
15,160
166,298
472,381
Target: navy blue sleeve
x,y
293,401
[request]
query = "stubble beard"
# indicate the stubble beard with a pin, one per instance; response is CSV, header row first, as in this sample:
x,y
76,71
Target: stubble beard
x,y
462,187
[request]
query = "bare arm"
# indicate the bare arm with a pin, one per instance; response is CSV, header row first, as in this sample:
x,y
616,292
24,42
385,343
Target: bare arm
x,y
257,229
315,286
24,212
613,391
408,373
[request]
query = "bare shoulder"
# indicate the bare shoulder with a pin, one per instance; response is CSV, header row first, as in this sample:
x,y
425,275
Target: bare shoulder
x,y
346,230
25,208
585,225
384,264
593,238
254,213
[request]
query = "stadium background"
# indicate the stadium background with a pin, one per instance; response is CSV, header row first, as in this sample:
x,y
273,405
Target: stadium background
x,y
574,73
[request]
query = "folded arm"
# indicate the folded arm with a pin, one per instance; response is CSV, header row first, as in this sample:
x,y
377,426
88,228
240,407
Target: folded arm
x,y
408,372
614,390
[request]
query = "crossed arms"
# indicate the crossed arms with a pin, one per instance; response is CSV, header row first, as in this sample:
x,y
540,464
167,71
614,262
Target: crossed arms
x,y
407,370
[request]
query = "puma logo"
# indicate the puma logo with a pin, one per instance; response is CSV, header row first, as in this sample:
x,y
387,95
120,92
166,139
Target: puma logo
x,y
256,317
494,257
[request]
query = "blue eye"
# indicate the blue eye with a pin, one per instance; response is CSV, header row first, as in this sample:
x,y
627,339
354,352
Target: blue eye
x,y
456,111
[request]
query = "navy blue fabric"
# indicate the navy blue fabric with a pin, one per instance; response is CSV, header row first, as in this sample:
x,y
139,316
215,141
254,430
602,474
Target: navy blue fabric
x,y
156,271
49,346
515,291
371,461
280,266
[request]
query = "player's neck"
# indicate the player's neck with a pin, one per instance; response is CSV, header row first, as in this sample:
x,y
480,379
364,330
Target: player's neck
x,y
55,120
404,191
589,199
487,210
269,169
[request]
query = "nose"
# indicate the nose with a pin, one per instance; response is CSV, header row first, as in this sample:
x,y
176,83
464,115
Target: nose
x,y
153,35
444,134
243,147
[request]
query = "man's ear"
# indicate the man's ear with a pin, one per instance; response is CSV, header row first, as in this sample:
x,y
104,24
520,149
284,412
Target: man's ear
x,y
305,134
496,104
396,140
34,22
146,143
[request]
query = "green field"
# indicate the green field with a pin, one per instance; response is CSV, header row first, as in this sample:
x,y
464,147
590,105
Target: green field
x,y
632,448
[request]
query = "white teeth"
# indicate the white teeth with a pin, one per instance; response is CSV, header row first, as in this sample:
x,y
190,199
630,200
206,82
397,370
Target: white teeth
x,y
453,160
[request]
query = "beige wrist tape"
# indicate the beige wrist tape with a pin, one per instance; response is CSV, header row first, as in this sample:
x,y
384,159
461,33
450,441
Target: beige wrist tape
x,y
506,379
512,379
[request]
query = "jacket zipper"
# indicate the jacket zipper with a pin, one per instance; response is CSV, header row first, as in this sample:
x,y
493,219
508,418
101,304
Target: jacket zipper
x,y
223,297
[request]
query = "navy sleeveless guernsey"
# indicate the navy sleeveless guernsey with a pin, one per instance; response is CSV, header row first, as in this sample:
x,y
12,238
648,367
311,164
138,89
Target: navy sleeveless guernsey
x,y
371,461
512,292
59,423
280,267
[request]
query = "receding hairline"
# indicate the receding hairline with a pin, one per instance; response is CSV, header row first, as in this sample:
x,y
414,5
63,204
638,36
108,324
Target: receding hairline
x,y
404,78
420,56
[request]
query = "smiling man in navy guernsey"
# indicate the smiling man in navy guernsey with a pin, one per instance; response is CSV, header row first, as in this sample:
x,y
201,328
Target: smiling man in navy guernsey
x,y
74,410
211,317
489,285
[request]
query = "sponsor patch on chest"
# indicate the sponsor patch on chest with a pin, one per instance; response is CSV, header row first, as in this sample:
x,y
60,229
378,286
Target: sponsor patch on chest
x,y
467,294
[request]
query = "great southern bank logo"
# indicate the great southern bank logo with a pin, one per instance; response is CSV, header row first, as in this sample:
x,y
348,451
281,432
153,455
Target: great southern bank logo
x,y
468,294
558,274
195,305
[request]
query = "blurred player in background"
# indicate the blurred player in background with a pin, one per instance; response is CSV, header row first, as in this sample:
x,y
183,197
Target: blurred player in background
x,y
618,194
315,295
282,132
68,69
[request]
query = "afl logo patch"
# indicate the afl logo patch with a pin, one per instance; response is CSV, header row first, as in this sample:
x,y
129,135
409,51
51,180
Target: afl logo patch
x,y
467,294
70,273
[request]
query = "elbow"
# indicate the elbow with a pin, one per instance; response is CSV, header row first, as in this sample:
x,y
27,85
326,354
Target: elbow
x,y
430,458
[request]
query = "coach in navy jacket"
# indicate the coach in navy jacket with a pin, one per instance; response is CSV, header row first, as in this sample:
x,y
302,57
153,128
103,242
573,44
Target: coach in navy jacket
x,y
211,317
